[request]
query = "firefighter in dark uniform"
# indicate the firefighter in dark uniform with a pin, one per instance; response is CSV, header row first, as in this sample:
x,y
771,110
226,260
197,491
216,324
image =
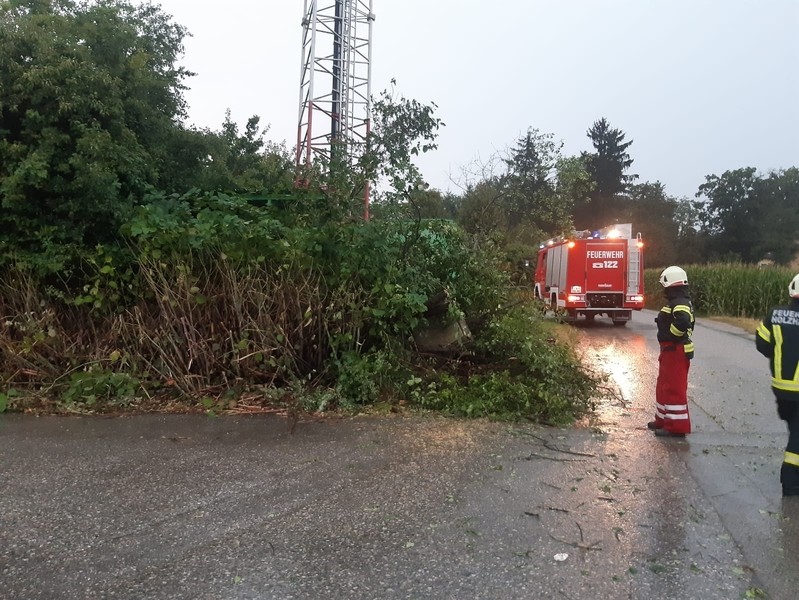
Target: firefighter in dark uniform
x,y
777,339
675,323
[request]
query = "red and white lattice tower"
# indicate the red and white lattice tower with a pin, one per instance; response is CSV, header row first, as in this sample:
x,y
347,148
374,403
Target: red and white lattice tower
x,y
335,82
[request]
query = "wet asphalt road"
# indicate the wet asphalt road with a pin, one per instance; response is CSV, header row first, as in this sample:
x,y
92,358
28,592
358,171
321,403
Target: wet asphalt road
x,y
395,507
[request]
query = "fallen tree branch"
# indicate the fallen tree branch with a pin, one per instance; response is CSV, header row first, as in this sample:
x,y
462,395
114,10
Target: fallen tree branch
x,y
549,446
541,456
578,544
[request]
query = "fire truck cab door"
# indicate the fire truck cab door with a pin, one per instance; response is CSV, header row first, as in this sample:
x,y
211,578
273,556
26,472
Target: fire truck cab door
x,y
605,266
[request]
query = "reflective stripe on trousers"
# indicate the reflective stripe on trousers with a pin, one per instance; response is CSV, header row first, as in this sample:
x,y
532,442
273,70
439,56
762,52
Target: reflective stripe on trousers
x,y
671,390
788,411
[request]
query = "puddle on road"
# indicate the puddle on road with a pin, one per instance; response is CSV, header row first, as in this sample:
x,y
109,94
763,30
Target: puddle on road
x,y
630,372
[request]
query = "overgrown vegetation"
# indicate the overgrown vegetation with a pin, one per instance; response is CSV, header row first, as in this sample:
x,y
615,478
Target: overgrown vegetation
x,y
145,264
519,369
210,298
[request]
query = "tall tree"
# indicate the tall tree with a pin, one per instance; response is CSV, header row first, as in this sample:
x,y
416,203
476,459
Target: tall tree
x,y
653,213
481,210
574,184
748,215
243,161
608,166
692,239
90,96
530,180
532,204
402,129
525,195
777,228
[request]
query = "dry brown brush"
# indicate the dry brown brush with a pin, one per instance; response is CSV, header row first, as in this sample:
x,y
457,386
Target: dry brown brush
x,y
198,329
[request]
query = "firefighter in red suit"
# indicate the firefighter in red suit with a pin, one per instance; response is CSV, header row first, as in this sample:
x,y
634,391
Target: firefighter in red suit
x,y
675,323
777,338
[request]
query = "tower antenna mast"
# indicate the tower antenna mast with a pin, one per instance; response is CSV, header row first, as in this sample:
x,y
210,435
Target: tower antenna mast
x,y
335,81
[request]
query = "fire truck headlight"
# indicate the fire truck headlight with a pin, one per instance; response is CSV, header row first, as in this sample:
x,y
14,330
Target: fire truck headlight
x,y
575,298
635,298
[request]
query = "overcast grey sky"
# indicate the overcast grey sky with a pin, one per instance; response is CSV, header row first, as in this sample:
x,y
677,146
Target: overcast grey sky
x,y
700,86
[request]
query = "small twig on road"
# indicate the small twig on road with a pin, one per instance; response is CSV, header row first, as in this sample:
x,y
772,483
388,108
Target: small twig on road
x,y
541,456
555,508
555,448
579,545
614,478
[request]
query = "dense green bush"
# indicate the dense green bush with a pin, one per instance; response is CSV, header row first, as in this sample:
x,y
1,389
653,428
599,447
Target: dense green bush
x,y
209,294
367,378
405,264
518,370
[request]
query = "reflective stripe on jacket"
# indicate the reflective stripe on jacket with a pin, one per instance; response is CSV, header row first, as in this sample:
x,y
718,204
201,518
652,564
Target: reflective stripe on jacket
x,y
676,320
777,338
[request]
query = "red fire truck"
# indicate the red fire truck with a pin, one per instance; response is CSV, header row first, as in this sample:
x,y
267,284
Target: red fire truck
x,y
593,273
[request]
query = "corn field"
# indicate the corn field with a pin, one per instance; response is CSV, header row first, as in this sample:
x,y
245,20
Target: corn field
x,y
728,289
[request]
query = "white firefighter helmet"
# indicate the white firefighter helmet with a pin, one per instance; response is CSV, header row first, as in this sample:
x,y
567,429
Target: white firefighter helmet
x,y
793,287
673,276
